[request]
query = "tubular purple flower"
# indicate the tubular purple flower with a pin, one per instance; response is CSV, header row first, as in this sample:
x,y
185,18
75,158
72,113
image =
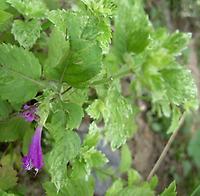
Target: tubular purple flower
x,y
34,158
29,113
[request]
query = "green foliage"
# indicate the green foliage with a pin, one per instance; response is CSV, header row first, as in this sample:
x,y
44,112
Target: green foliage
x,y
5,20
29,8
83,53
26,33
7,181
118,116
66,148
13,129
18,63
126,158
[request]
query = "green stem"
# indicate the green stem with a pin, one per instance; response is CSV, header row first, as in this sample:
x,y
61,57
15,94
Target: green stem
x,y
111,78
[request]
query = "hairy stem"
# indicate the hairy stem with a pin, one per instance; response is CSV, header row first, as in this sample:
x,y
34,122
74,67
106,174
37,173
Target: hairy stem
x,y
165,150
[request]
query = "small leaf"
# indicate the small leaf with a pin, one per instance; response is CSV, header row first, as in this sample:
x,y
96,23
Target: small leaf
x,y
170,191
20,71
115,188
126,158
29,8
74,115
176,114
26,33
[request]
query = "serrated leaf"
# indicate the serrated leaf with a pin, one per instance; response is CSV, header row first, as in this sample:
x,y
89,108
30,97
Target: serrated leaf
x,y
126,158
131,30
94,158
26,33
8,177
5,20
19,73
29,8
170,191
13,129
176,114
96,109
74,115
119,119
177,41
72,187
58,18
65,148
180,87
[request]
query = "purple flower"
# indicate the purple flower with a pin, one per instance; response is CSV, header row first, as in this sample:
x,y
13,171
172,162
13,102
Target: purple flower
x,y
29,113
34,158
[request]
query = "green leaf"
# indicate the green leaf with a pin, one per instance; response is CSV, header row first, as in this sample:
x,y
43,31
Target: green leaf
x,y
115,188
83,63
118,116
170,191
58,18
96,109
180,87
177,41
94,158
26,33
176,114
93,136
136,191
196,192
74,115
72,187
133,177
5,20
126,158
5,109
19,73
29,8
65,148
13,129
8,177
3,5
131,30
57,50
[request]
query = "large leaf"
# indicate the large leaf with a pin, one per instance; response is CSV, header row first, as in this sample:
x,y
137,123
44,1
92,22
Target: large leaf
x,y
19,74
